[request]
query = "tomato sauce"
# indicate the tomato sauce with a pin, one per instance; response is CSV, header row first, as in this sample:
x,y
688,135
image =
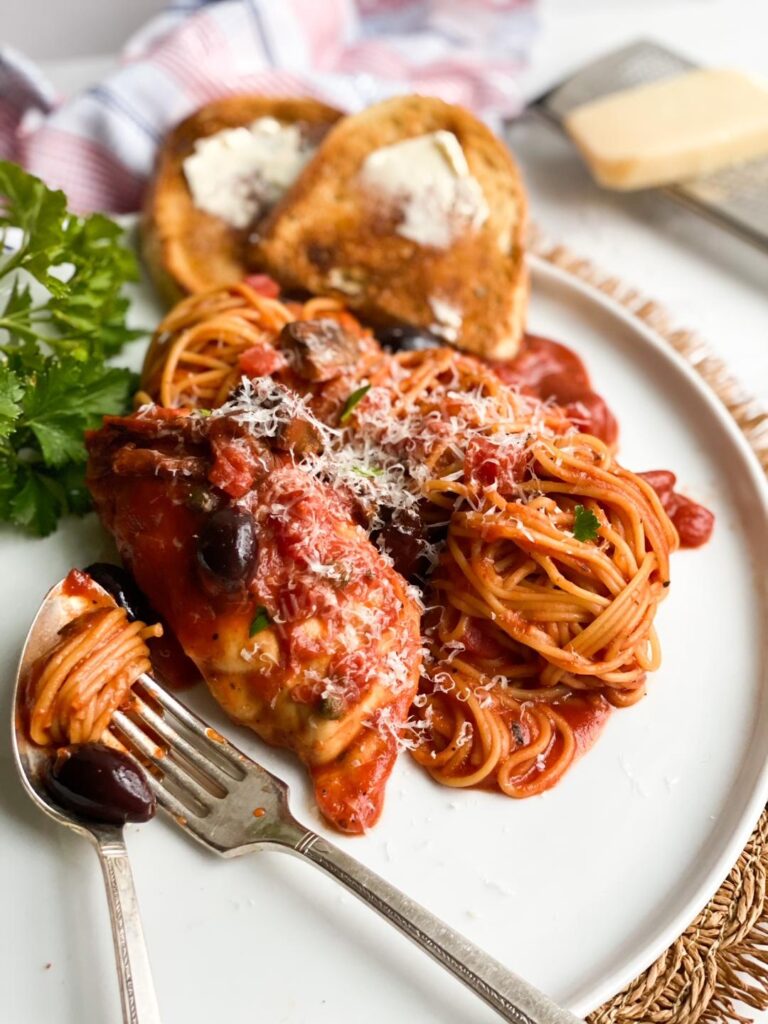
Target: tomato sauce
x,y
550,371
693,522
587,717
80,584
585,714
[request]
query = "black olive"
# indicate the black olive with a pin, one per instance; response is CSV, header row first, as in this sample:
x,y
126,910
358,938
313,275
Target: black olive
x,y
404,338
121,585
102,784
403,536
226,546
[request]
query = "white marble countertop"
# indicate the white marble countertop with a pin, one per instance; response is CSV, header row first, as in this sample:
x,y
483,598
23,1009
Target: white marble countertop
x,y
706,279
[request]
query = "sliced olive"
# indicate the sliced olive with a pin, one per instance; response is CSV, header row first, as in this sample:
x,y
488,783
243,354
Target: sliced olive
x,y
118,582
226,546
99,783
404,338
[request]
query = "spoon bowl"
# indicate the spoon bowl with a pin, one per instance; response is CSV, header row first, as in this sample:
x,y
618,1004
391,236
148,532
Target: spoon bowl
x,y
32,761
136,986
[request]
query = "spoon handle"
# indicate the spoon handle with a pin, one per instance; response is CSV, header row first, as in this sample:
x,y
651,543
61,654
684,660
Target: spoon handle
x,y
137,990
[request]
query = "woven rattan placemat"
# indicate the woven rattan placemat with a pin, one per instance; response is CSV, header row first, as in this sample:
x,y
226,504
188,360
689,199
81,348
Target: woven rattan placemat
x,y
722,957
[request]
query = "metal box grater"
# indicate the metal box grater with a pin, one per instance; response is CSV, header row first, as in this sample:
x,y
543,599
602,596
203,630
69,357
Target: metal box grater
x,y
736,198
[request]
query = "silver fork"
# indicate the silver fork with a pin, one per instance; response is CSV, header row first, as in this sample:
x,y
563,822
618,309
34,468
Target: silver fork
x,y
212,789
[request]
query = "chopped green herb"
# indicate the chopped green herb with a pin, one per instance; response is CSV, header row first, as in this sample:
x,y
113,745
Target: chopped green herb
x,y
260,621
585,523
369,474
62,313
354,400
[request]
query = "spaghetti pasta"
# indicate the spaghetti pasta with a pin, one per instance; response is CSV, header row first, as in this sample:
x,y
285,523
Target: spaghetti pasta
x,y
201,349
87,676
526,615
550,558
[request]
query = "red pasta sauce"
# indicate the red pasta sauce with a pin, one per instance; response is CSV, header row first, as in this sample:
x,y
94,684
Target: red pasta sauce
x,y
585,713
693,522
552,372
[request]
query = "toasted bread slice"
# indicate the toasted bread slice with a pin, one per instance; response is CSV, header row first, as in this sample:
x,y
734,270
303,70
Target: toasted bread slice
x,y
185,248
335,234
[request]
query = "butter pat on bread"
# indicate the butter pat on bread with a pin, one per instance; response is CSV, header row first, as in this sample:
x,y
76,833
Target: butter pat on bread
x,y
672,130
410,212
198,216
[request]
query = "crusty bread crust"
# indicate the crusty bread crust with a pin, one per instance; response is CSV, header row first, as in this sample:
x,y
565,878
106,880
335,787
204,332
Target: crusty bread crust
x,y
328,236
189,250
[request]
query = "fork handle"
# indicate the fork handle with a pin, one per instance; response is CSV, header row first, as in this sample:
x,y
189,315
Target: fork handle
x,y
511,997
137,990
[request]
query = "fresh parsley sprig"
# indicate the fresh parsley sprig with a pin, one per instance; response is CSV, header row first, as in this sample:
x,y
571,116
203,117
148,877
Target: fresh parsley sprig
x,y
62,314
585,524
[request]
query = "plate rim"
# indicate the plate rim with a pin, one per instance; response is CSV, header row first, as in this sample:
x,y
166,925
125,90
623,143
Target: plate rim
x,y
587,1001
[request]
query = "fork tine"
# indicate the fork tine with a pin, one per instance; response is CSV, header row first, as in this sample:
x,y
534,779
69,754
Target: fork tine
x,y
189,786
221,746
180,745
168,801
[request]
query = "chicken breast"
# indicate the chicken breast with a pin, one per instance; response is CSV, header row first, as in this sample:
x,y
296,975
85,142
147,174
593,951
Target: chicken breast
x,y
300,627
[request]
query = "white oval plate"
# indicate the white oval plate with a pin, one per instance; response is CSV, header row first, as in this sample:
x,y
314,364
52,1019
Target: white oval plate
x,y
577,890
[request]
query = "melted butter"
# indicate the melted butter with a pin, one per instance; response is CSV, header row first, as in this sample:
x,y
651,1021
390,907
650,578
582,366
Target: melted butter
x,y
238,173
428,177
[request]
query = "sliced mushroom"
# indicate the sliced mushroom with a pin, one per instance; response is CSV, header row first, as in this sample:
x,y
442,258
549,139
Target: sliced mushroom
x,y
319,350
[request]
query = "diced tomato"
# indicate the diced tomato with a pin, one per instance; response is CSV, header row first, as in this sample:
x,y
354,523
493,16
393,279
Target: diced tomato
x,y
493,465
261,361
477,640
234,468
264,285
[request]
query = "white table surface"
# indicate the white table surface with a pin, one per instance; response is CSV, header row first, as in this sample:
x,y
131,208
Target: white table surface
x,y
707,280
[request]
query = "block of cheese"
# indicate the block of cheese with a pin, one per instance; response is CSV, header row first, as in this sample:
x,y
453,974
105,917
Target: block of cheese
x,y
672,130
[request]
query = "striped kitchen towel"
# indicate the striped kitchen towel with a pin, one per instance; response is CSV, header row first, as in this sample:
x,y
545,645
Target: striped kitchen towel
x,y
99,146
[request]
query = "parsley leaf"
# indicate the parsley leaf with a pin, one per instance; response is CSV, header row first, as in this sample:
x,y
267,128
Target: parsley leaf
x,y
38,504
354,400
11,392
369,473
62,314
65,399
585,523
260,621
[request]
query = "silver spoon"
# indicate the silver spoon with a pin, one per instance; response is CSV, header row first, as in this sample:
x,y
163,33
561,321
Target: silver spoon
x,y
137,990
